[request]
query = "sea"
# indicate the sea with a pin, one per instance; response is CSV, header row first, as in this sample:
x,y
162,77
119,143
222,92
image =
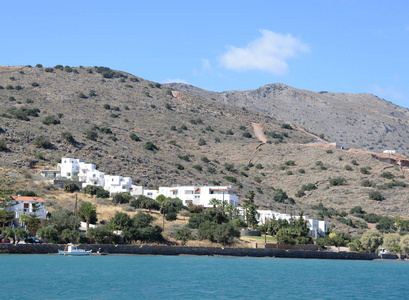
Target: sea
x,y
198,277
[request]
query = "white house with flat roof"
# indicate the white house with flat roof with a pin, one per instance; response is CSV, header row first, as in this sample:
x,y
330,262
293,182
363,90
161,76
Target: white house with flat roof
x,y
117,184
69,167
197,195
90,175
317,228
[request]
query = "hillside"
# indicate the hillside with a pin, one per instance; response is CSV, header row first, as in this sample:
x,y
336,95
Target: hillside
x,y
110,118
361,121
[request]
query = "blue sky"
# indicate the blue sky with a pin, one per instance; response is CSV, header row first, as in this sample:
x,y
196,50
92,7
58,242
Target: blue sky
x,y
351,46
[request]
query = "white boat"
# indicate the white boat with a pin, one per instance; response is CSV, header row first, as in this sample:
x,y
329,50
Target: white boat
x,y
73,250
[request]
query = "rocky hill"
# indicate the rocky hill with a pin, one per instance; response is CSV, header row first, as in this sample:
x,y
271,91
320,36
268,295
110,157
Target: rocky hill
x,y
361,121
161,136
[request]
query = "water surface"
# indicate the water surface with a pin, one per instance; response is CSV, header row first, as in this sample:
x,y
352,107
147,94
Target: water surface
x,y
192,277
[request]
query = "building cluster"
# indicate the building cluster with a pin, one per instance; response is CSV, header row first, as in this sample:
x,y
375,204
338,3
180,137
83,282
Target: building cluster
x,y
88,174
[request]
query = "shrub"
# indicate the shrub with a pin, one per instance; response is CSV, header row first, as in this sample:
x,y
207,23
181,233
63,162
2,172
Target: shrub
x,y
59,67
82,96
66,135
365,170
376,195
68,69
18,87
247,135
259,166
105,130
280,196
127,85
134,137
49,70
286,126
348,168
92,93
107,106
179,166
337,181
3,145
91,135
39,66
231,179
329,151
183,127
183,235
198,168
387,175
201,142
34,84
151,146
184,157
354,162
171,216
42,142
168,106
290,163
9,87
301,171
51,120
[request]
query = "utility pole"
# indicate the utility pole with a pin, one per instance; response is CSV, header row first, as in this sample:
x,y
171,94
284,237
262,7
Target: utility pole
x,y
75,205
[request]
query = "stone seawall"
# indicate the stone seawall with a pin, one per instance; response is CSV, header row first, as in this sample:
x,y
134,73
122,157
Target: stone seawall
x,y
172,250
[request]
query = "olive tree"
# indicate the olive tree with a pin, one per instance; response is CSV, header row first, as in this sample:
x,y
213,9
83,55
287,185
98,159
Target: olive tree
x,y
371,240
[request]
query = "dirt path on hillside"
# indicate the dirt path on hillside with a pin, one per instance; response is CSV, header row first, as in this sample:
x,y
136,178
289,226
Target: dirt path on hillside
x,y
259,132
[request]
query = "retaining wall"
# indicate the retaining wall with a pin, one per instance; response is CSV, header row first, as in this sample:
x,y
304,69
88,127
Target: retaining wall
x,y
173,250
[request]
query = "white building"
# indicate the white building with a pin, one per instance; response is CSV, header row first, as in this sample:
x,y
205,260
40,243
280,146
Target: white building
x,y
89,174
389,151
117,184
26,205
69,167
317,228
197,195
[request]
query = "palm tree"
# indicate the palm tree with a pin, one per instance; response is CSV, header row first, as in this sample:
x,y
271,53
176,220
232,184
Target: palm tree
x,y
88,212
230,209
214,202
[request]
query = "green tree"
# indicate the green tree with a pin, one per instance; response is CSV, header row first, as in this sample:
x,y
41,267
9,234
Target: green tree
x,y
120,221
225,233
88,213
48,234
20,234
71,187
69,236
100,234
404,244
5,203
33,223
371,240
62,218
121,198
391,241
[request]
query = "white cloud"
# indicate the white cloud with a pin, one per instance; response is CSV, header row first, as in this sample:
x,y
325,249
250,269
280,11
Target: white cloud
x,y
174,80
267,53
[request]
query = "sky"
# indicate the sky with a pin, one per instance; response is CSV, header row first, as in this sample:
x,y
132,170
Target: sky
x,y
346,46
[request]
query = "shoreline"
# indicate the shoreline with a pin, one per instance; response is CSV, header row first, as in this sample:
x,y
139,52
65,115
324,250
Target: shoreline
x,y
192,251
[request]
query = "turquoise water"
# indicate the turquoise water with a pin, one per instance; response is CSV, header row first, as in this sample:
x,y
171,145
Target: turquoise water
x,y
185,277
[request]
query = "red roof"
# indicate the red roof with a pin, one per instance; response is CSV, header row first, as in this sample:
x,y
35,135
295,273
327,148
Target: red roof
x,y
26,198
197,191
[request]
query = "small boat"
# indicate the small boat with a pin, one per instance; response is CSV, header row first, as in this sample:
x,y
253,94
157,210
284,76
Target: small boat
x,y
71,249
